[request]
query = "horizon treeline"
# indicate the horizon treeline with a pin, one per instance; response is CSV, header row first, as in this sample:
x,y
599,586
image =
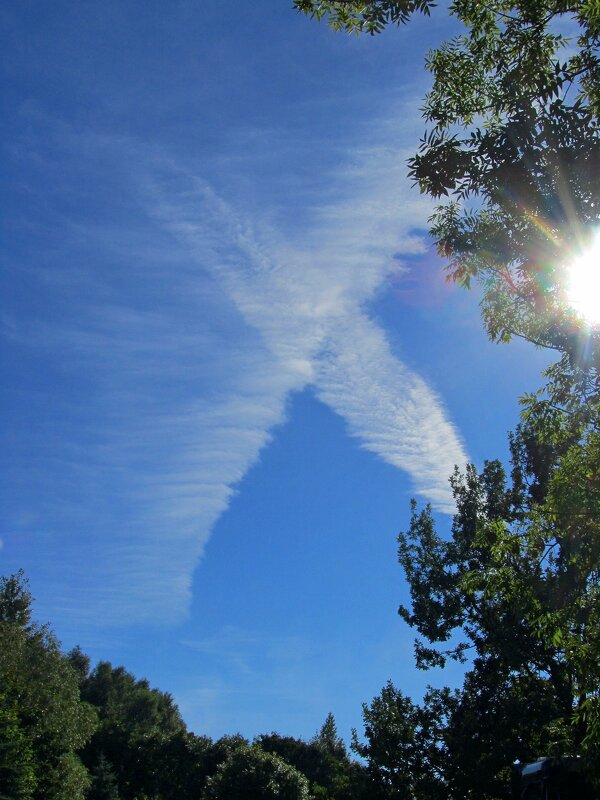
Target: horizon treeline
x,y
69,731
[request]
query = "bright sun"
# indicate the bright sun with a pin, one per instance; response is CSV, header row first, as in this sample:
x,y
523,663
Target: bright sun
x,y
583,289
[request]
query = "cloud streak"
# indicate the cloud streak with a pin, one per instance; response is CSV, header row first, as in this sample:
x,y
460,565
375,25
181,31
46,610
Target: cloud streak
x,y
191,376
308,303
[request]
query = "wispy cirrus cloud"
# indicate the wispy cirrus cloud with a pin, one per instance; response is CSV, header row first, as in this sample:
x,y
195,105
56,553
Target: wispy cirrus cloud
x,y
308,302
195,323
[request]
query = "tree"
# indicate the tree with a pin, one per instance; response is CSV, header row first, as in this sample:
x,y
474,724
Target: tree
x,y
137,726
327,738
323,760
514,144
495,719
43,722
104,782
517,588
251,772
130,704
177,766
402,748
528,155
17,769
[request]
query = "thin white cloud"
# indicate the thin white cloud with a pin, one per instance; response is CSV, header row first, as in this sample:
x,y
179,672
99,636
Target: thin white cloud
x,y
235,667
389,408
308,303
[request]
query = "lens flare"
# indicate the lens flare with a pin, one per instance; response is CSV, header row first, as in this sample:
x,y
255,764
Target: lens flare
x,y
583,283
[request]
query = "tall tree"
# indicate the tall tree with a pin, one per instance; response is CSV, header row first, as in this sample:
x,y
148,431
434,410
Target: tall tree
x,y
402,746
517,589
514,146
327,738
323,760
104,782
43,722
136,727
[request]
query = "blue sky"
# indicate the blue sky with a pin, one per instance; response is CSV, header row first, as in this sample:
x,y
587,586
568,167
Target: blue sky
x,y
229,354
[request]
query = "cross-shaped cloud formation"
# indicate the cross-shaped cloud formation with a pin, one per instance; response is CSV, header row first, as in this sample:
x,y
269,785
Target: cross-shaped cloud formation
x,y
193,374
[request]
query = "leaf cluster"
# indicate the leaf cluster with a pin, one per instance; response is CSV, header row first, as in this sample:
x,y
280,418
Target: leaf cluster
x,y
251,772
358,17
514,144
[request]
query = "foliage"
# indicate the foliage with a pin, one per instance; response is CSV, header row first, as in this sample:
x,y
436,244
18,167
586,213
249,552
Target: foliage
x,y
361,17
251,772
43,722
402,749
136,732
17,772
516,591
514,115
456,744
327,739
69,732
177,766
130,704
517,588
497,718
514,144
104,782
323,760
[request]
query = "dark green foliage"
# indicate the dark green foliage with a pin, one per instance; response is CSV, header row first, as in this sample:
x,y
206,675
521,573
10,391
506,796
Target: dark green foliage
x,y
220,750
104,782
130,704
402,748
250,772
80,663
517,589
17,771
137,726
15,600
43,722
456,744
141,743
50,704
180,765
495,719
323,760
327,738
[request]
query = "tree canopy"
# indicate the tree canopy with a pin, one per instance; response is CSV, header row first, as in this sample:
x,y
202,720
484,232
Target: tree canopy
x,y
324,760
513,152
251,772
43,722
516,589
514,144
